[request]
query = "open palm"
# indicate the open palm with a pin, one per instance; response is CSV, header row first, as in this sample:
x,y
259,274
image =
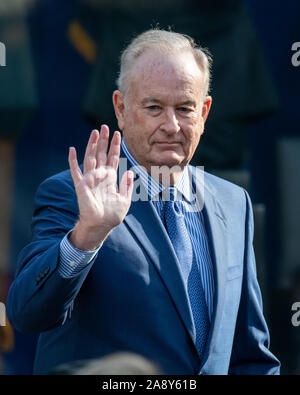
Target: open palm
x,y
102,205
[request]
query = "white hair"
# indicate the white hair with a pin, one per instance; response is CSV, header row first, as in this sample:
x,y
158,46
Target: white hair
x,y
165,42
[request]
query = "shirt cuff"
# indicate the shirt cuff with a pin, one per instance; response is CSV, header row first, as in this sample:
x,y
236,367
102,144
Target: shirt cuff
x,y
73,260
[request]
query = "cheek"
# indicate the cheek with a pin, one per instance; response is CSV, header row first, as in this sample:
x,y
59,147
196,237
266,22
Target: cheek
x,y
194,142
138,131
194,130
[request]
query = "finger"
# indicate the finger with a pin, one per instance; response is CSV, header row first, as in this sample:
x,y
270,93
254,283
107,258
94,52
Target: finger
x,y
126,184
114,151
89,162
102,146
74,168
110,178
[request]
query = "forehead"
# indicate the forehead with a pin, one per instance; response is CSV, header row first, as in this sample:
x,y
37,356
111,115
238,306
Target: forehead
x,y
172,75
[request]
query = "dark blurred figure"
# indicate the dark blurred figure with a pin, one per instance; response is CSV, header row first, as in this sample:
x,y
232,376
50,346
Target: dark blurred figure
x,y
17,102
121,363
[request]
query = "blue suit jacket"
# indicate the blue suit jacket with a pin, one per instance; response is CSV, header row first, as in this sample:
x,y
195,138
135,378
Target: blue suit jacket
x,y
132,296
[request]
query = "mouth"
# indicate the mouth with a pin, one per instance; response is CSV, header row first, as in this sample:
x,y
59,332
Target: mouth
x,y
168,143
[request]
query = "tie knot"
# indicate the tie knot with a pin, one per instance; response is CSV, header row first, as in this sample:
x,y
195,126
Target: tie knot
x,y
172,202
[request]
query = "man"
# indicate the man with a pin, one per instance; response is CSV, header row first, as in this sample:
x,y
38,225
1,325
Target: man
x,y
170,277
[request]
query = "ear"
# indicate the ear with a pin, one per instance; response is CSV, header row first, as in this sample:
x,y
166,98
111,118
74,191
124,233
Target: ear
x,y
206,107
119,106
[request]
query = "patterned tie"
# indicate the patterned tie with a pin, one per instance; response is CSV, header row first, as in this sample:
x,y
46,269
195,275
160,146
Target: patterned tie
x,y
177,231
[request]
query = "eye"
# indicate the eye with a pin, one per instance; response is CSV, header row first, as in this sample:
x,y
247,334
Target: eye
x,y
153,108
185,109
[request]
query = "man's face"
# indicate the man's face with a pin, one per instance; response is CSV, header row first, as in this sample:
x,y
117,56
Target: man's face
x,y
165,111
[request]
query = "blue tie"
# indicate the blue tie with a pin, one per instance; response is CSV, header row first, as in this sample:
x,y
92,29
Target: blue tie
x,y
177,231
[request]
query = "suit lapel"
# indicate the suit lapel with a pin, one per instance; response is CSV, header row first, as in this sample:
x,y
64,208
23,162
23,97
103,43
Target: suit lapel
x,y
147,227
217,235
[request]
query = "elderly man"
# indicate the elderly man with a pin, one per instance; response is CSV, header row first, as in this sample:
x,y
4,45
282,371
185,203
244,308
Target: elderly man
x,y
171,276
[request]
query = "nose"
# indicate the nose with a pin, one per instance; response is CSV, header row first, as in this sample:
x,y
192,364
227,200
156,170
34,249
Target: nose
x,y
170,123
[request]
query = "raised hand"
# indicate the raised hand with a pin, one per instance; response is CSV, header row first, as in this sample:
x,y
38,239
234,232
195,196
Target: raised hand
x,y
101,205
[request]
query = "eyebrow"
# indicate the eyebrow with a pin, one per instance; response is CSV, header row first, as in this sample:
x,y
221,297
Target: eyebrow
x,y
151,99
187,103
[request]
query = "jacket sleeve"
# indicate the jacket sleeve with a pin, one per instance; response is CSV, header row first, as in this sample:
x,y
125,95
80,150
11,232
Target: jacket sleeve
x,y
39,297
250,353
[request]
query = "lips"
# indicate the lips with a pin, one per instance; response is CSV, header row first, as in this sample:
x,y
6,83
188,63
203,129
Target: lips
x,y
167,142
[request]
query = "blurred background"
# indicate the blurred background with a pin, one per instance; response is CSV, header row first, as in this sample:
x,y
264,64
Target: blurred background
x,y
62,59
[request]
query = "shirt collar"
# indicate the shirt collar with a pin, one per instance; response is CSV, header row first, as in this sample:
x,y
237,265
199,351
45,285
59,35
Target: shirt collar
x,y
153,187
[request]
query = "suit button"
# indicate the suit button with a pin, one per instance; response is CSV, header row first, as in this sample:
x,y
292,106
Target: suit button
x,y
42,274
46,270
38,279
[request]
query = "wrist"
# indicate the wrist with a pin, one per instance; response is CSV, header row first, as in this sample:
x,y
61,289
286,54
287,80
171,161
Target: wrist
x,y
86,238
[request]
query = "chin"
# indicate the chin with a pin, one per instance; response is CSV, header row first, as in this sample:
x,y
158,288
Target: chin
x,y
169,160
